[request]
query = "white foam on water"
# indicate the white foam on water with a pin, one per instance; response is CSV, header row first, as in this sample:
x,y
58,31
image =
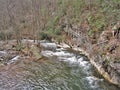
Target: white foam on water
x,y
93,81
82,62
67,57
3,52
62,54
72,59
60,49
49,46
85,65
47,53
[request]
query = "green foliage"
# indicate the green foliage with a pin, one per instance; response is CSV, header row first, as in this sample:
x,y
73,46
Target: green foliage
x,y
91,32
19,47
96,21
48,34
43,36
55,20
98,13
57,31
2,36
59,2
9,35
59,38
6,35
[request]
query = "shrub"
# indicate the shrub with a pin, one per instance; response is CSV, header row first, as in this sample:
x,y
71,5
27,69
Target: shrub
x,y
2,36
57,32
19,47
6,35
44,36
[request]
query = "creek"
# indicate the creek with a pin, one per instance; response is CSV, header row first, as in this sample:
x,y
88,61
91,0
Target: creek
x,y
62,69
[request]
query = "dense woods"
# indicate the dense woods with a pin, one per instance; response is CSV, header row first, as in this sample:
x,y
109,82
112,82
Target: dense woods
x,y
93,20
27,18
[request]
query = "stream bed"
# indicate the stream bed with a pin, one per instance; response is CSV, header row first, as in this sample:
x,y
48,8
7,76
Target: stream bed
x,y
62,69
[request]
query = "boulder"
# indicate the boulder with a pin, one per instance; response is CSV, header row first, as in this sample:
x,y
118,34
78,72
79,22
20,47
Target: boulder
x,y
63,45
48,46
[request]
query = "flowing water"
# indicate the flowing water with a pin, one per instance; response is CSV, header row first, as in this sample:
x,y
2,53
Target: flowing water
x,y
62,69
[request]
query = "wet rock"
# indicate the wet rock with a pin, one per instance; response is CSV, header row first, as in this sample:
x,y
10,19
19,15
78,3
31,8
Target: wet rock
x,y
63,45
14,59
48,46
7,56
3,55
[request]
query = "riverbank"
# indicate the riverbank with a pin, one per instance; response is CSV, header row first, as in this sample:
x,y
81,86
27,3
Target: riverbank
x,y
102,49
106,69
31,50
63,68
112,76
